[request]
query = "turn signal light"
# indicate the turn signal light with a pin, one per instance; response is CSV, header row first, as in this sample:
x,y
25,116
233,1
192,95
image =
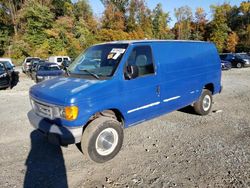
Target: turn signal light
x,y
71,113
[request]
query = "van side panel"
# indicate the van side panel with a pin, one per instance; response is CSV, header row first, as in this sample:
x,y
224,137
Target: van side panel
x,y
185,68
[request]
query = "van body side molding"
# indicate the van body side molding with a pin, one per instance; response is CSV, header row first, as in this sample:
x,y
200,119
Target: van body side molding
x,y
172,98
144,107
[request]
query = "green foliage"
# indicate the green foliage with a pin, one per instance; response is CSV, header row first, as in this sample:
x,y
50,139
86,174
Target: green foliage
x,y
160,20
220,28
183,26
60,27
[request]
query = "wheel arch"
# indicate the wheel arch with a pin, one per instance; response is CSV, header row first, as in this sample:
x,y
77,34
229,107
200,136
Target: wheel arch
x,y
112,113
210,87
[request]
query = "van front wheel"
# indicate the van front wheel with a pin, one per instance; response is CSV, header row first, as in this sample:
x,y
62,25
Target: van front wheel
x,y
102,139
204,104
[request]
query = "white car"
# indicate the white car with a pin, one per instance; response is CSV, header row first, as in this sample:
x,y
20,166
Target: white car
x,y
27,63
58,59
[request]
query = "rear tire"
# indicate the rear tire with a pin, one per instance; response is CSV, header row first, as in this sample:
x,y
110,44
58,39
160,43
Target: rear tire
x,y
239,65
204,104
102,139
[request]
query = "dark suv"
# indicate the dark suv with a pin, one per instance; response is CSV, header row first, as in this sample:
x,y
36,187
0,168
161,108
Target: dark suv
x,y
8,76
237,60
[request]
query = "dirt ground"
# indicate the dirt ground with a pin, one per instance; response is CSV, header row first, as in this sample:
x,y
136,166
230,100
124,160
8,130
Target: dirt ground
x,y
179,149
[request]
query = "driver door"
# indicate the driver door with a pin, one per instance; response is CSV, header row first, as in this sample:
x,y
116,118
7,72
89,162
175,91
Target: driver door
x,y
140,94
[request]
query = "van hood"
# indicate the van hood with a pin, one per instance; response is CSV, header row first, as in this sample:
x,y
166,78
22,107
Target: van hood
x,y
65,90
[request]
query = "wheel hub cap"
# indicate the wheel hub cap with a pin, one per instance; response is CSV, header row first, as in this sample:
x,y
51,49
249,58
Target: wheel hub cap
x,y
106,141
206,103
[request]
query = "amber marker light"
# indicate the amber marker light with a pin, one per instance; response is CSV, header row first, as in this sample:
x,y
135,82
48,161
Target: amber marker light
x,y
71,113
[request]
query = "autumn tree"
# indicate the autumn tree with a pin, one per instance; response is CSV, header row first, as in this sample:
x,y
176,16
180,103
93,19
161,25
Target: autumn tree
x,y
232,41
242,26
113,18
183,26
131,24
11,9
219,25
199,24
121,5
144,19
160,21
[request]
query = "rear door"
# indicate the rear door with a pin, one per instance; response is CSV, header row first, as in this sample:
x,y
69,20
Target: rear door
x,y
140,95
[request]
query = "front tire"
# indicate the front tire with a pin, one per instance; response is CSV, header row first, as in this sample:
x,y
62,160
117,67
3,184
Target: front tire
x,y
204,104
102,139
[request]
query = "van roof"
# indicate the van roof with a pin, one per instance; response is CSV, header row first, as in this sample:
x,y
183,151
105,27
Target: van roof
x,y
152,41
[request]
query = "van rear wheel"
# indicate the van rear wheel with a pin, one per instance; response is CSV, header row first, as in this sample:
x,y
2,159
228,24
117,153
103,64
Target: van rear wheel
x,y
204,104
102,139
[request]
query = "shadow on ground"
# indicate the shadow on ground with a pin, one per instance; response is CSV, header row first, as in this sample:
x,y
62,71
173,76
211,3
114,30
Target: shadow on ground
x,y
45,164
188,109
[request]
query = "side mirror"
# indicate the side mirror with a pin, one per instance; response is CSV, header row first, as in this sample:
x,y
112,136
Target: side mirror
x,y
131,72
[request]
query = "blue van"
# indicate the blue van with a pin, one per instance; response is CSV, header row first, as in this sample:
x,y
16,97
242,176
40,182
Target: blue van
x,y
116,85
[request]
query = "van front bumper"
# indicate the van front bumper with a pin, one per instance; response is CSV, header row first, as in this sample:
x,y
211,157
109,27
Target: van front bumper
x,y
59,135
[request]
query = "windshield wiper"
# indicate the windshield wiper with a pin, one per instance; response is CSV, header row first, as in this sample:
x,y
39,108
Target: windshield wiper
x,y
91,73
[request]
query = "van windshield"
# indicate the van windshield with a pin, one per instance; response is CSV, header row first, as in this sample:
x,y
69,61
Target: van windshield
x,y
100,60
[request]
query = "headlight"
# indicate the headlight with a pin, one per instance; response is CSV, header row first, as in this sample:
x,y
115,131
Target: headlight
x,y
69,113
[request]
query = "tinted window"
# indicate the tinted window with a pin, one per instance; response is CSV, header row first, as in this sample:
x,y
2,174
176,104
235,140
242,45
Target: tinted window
x,y
28,60
1,67
59,60
229,57
7,65
65,59
49,68
32,59
223,57
244,56
142,58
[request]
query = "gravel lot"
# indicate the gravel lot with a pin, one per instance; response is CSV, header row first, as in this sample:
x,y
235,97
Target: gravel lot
x,y
179,149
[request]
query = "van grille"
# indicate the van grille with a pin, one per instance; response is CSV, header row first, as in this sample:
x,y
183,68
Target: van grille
x,y
42,109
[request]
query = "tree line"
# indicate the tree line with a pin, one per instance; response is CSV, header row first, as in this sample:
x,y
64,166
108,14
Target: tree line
x,y
60,27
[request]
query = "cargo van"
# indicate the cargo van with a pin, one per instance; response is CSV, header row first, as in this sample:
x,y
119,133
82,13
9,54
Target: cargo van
x,y
58,59
116,85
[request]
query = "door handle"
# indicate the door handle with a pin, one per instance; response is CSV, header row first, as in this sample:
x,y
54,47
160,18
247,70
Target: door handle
x,y
158,90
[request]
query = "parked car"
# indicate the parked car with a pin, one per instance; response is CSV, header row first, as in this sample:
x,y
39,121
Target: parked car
x,y
7,60
46,71
58,59
116,85
8,76
236,60
26,65
33,65
226,65
244,56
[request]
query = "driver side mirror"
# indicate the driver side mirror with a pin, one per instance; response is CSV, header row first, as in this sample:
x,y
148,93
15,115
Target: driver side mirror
x,y
131,72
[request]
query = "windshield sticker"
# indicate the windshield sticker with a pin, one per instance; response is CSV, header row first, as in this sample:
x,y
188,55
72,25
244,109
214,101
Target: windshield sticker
x,y
110,56
116,52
